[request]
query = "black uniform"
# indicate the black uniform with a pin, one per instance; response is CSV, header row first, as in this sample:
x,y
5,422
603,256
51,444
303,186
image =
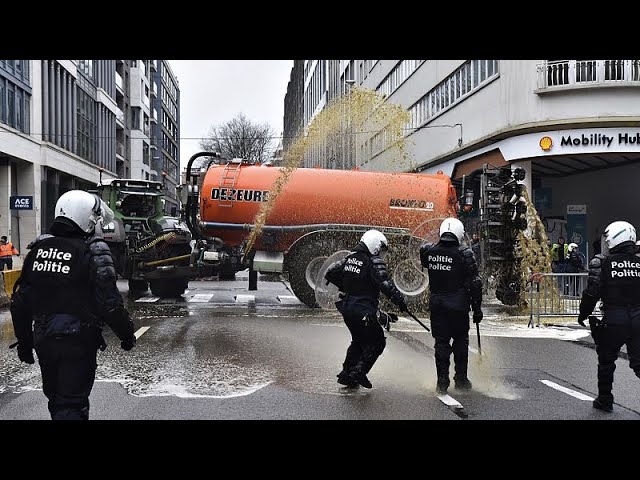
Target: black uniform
x,y
616,280
66,291
455,286
362,276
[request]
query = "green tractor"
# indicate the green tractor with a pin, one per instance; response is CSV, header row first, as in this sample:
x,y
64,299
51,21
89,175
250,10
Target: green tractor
x,y
149,248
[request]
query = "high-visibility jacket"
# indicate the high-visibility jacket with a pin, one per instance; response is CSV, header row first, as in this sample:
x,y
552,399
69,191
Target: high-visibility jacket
x,y
8,250
556,256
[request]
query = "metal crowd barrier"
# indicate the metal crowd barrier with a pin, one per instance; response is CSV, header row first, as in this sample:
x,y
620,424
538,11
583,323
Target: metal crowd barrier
x,y
555,295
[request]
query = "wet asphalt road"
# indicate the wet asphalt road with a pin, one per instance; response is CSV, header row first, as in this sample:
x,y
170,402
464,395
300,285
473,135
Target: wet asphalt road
x,y
218,354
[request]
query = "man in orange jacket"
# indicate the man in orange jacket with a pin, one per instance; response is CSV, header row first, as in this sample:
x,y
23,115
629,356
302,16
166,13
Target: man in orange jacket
x,y
7,251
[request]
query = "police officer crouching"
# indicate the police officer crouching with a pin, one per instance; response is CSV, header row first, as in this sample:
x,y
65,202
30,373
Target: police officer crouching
x,y
361,276
614,278
454,286
66,291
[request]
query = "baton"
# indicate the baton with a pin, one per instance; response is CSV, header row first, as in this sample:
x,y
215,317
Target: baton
x,y
13,345
479,345
414,317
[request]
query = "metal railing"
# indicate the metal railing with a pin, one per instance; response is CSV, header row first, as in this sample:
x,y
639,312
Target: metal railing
x,y
555,295
559,73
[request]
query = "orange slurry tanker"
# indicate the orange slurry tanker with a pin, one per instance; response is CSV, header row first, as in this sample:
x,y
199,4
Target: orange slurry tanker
x,y
317,213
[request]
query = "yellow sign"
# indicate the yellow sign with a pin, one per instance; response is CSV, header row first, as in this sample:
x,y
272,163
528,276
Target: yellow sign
x,y
546,143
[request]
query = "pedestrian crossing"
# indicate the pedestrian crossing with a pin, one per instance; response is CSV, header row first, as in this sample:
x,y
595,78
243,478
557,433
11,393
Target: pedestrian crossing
x,y
227,298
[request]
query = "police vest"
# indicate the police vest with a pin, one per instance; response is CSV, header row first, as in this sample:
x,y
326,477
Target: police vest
x,y
57,270
357,276
445,264
621,280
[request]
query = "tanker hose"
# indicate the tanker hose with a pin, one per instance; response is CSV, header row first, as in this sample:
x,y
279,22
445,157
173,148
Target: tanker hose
x,y
166,236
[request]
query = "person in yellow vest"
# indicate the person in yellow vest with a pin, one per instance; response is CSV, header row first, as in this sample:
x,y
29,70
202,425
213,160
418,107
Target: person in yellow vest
x,y
559,255
7,251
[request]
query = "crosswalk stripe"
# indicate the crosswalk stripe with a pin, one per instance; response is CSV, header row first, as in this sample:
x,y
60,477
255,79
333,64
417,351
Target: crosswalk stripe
x,y
147,299
201,298
568,391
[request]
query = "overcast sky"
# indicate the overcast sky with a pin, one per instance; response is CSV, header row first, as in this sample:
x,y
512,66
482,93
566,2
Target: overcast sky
x,y
212,92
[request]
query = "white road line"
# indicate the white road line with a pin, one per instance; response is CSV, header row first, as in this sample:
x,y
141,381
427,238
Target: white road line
x,y
449,401
147,299
140,331
245,299
473,350
568,391
201,298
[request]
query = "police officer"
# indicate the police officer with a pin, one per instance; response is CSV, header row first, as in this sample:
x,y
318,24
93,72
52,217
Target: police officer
x,y
67,289
455,286
361,276
614,278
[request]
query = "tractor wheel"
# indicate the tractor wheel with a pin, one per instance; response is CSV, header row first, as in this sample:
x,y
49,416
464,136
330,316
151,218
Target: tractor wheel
x,y
169,288
138,287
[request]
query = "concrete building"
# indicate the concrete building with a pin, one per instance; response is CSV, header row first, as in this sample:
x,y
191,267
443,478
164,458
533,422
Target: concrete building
x,y
165,131
63,123
574,125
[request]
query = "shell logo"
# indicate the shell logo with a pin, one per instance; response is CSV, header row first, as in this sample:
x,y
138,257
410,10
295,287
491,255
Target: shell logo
x,y
546,143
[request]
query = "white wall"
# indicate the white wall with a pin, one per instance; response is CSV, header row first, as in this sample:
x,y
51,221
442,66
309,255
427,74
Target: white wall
x,y
506,103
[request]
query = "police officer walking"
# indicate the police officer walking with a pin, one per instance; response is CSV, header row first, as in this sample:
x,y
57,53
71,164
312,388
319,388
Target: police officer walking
x,y
455,286
614,278
66,291
361,276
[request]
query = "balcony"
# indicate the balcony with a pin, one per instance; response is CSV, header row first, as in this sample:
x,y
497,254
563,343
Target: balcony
x,y
154,89
120,150
119,83
154,115
120,118
154,65
562,75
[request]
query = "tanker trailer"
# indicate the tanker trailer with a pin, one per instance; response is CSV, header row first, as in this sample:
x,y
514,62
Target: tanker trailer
x,y
317,213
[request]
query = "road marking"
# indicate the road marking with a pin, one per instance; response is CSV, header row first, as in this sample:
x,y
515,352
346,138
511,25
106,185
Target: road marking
x,y
449,401
140,331
454,405
201,298
568,391
473,350
245,299
148,299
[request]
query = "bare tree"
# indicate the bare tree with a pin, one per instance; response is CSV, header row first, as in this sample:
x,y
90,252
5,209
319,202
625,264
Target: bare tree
x,y
240,138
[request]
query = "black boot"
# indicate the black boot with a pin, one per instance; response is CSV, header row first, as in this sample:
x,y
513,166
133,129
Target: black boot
x,y
345,379
358,376
442,385
604,403
462,382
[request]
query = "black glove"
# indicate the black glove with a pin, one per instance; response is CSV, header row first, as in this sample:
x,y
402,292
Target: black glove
x,y
581,320
26,355
477,316
128,344
393,318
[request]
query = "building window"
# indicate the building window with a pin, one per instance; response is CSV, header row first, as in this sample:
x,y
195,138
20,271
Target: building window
x,y
86,67
457,86
397,76
86,129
